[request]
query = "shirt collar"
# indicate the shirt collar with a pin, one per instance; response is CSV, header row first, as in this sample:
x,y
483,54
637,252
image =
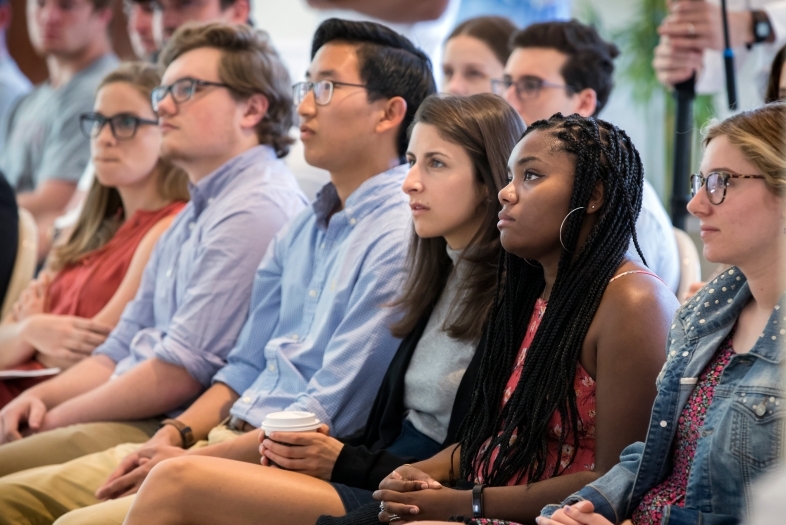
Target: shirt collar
x,y
208,189
719,304
370,195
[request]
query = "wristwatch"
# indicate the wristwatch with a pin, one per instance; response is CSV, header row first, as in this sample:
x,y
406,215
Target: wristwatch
x,y
185,431
477,501
762,27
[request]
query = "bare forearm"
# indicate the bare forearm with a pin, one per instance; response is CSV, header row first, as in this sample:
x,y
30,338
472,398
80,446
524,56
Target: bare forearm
x,y
209,410
152,388
523,503
15,349
83,377
438,466
243,448
396,11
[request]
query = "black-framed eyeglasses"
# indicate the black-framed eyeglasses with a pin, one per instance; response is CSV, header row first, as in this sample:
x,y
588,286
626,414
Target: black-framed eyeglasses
x,y
323,91
181,90
715,184
123,125
528,86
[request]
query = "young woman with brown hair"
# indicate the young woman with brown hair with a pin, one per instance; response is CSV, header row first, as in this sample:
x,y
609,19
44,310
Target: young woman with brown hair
x,y
475,55
68,311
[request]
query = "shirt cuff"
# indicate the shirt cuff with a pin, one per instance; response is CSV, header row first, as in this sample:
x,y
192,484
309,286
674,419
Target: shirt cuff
x,y
238,376
113,349
201,366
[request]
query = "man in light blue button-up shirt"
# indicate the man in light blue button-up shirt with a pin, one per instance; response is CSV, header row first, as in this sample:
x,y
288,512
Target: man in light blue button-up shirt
x,y
318,335
194,295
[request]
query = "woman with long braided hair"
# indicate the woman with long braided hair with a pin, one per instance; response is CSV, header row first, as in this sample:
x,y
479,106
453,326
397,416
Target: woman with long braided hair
x,y
717,423
575,337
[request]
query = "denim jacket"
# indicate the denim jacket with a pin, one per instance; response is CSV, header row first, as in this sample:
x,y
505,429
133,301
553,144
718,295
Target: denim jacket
x,y
742,433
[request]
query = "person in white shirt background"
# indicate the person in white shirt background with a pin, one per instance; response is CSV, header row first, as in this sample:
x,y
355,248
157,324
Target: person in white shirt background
x,y
692,41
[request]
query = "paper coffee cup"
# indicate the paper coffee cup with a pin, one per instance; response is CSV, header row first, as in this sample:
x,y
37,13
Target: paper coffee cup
x,y
290,422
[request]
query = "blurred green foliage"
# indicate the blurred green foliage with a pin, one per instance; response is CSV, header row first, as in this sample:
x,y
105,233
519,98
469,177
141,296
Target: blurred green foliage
x,y
637,41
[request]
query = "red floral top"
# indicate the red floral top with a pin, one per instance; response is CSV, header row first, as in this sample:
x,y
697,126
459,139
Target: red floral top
x,y
585,402
671,491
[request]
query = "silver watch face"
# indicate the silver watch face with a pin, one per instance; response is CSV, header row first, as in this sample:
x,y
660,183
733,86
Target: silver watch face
x,y
762,30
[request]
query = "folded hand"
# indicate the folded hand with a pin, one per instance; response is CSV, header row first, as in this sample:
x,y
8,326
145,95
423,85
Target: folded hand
x,y
132,471
64,340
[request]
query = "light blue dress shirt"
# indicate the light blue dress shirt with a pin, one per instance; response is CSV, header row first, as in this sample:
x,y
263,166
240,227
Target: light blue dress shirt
x,y
318,335
195,291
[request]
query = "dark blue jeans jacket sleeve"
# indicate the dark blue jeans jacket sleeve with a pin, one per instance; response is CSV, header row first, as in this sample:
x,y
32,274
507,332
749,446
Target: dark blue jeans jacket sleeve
x,y
610,494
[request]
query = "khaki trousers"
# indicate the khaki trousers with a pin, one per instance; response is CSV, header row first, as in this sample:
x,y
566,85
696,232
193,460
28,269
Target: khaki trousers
x,y
64,444
66,493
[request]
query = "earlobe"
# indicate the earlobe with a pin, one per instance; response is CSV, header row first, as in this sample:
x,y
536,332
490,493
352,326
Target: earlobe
x,y
395,111
107,15
240,11
587,102
596,199
256,109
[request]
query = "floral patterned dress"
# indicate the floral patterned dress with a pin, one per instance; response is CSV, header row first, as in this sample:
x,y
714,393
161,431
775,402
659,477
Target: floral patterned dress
x,y
585,402
671,491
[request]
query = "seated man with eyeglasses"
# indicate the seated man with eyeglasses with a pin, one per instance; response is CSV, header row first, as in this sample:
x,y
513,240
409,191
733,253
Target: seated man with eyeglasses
x,y
224,111
566,67
317,338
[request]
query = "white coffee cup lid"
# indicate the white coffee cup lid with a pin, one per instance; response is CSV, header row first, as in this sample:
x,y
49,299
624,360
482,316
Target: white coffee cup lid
x,y
290,421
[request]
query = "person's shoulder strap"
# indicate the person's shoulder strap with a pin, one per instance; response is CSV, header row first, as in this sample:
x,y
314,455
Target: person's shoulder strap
x,y
645,272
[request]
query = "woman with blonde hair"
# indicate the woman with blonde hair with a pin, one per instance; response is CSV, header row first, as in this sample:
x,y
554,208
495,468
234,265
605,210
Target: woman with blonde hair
x,y
88,280
717,423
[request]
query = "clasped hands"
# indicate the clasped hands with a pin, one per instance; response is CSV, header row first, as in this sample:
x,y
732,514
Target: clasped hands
x,y
60,340
132,471
581,513
689,29
409,494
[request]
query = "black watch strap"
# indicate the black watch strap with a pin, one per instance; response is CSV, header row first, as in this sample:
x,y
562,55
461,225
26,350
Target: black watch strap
x,y
477,501
186,435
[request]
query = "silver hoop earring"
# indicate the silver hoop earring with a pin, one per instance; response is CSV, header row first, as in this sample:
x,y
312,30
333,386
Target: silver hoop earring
x,y
563,224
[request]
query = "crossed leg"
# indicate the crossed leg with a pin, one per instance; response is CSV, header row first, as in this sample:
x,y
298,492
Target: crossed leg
x,y
204,490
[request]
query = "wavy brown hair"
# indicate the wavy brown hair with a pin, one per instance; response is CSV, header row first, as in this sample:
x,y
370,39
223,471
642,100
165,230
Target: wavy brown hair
x,y
487,128
102,212
249,65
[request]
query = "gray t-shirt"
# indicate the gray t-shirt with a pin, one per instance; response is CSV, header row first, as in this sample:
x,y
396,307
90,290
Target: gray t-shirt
x,y
13,85
44,141
437,366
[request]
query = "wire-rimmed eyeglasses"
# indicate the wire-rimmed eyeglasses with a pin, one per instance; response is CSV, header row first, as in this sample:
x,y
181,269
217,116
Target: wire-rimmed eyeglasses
x,y
715,184
323,91
123,125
